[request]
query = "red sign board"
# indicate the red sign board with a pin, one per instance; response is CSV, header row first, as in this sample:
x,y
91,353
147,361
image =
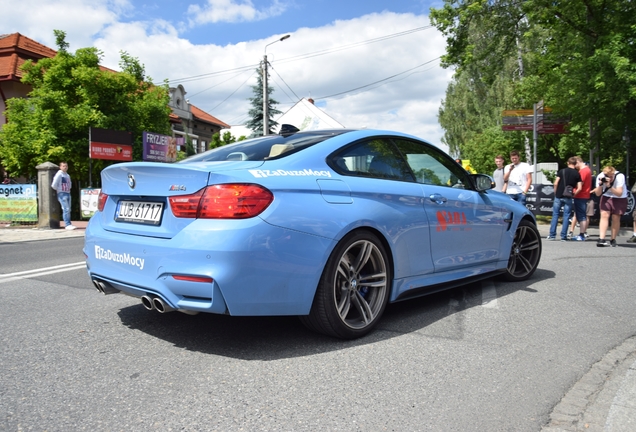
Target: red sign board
x,y
119,152
517,127
542,128
523,120
557,128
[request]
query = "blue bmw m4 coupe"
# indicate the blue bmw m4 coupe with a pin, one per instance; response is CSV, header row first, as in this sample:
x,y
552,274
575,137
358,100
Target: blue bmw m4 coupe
x,y
329,225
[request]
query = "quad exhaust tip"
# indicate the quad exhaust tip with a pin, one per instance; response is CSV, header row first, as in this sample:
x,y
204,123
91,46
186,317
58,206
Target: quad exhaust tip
x,y
150,302
161,306
104,287
146,301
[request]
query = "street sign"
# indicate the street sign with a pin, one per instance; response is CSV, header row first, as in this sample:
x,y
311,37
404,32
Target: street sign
x,y
523,120
553,128
512,120
516,127
521,112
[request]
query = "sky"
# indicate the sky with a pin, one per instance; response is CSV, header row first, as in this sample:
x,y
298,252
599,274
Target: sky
x,y
366,63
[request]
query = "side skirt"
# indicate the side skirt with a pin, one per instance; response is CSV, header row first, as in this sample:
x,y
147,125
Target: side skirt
x,y
431,289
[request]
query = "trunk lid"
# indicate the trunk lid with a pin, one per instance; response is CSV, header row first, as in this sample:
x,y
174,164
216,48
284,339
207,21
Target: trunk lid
x,y
148,185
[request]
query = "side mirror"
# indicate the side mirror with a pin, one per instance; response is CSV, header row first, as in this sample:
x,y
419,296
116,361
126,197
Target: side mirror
x,y
483,182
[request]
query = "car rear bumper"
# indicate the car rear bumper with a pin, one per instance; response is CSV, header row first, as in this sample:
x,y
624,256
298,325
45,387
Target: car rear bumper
x,y
240,267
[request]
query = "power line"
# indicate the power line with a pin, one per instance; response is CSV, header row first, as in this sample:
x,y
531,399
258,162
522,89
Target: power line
x,y
302,56
231,94
290,89
379,81
222,72
222,82
352,45
315,54
366,86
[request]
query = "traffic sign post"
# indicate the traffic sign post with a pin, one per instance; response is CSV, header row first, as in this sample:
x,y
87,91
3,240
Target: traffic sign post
x,y
539,120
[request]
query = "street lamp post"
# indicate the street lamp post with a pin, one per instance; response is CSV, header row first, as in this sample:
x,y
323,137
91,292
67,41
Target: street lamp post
x,y
265,94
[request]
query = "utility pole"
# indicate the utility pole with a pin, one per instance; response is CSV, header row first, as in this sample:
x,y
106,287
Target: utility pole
x,y
265,92
265,98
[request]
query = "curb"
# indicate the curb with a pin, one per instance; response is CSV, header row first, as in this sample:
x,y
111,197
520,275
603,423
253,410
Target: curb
x,y
602,400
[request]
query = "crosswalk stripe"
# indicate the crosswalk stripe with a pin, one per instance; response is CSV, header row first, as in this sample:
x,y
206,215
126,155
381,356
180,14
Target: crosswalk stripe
x,y
9,277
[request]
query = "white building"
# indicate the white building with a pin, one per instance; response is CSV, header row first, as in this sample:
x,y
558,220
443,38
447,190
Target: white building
x,y
304,115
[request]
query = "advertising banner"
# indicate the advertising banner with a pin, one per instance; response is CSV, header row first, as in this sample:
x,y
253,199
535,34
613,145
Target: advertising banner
x,y
540,199
88,202
19,203
110,144
118,152
159,148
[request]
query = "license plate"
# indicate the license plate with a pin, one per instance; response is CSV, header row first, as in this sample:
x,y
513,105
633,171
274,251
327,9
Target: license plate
x,y
143,212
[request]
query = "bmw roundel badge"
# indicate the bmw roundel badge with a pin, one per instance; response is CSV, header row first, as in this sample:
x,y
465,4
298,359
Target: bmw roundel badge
x,y
131,181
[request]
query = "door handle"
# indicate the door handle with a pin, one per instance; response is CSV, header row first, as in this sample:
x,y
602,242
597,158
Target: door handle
x,y
437,198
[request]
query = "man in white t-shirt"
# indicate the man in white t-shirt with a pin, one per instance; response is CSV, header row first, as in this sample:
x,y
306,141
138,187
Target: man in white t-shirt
x,y
517,178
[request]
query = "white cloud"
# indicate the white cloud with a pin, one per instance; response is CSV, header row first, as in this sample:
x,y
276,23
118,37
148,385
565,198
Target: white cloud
x,y
408,102
232,11
81,20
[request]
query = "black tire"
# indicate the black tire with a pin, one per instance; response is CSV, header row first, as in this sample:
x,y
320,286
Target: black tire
x,y
353,290
525,252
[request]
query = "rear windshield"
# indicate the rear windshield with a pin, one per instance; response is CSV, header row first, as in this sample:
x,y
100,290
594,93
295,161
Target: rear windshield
x,y
264,148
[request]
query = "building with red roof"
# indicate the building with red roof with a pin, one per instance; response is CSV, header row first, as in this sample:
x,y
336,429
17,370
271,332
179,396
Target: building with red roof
x,y
15,50
185,118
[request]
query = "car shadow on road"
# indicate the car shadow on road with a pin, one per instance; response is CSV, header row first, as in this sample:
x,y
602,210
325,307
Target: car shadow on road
x,y
274,338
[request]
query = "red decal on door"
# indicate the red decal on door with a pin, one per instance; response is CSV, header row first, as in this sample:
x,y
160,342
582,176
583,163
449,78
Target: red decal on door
x,y
447,219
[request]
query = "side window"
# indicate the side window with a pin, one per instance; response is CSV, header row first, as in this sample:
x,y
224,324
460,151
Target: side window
x,y
431,166
372,158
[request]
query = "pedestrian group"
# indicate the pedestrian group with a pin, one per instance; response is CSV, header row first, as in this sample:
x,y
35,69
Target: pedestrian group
x,y
572,195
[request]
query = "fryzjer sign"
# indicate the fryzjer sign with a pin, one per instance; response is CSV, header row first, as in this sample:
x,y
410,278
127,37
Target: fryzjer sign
x,y
159,148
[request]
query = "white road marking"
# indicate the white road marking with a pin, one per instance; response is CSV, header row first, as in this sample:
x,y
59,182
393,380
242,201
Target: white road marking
x,y
9,277
489,294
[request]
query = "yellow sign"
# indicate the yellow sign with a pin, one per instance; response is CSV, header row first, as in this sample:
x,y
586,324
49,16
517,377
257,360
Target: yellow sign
x,y
466,165
517,113
523,112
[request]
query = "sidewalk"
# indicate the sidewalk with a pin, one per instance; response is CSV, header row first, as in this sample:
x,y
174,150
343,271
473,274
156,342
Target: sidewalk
x,y
623,234
12,234
603,400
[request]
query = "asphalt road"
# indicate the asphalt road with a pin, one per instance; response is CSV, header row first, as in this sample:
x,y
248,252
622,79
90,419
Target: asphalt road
x,y
493,356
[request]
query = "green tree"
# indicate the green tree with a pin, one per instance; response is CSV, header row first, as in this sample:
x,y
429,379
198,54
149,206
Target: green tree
x,y
71,93
255,123
579,57
225,139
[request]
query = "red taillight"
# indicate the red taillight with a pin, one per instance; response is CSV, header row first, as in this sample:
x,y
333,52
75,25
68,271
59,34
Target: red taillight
x,y
226,201
234,201
186,206
101,201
